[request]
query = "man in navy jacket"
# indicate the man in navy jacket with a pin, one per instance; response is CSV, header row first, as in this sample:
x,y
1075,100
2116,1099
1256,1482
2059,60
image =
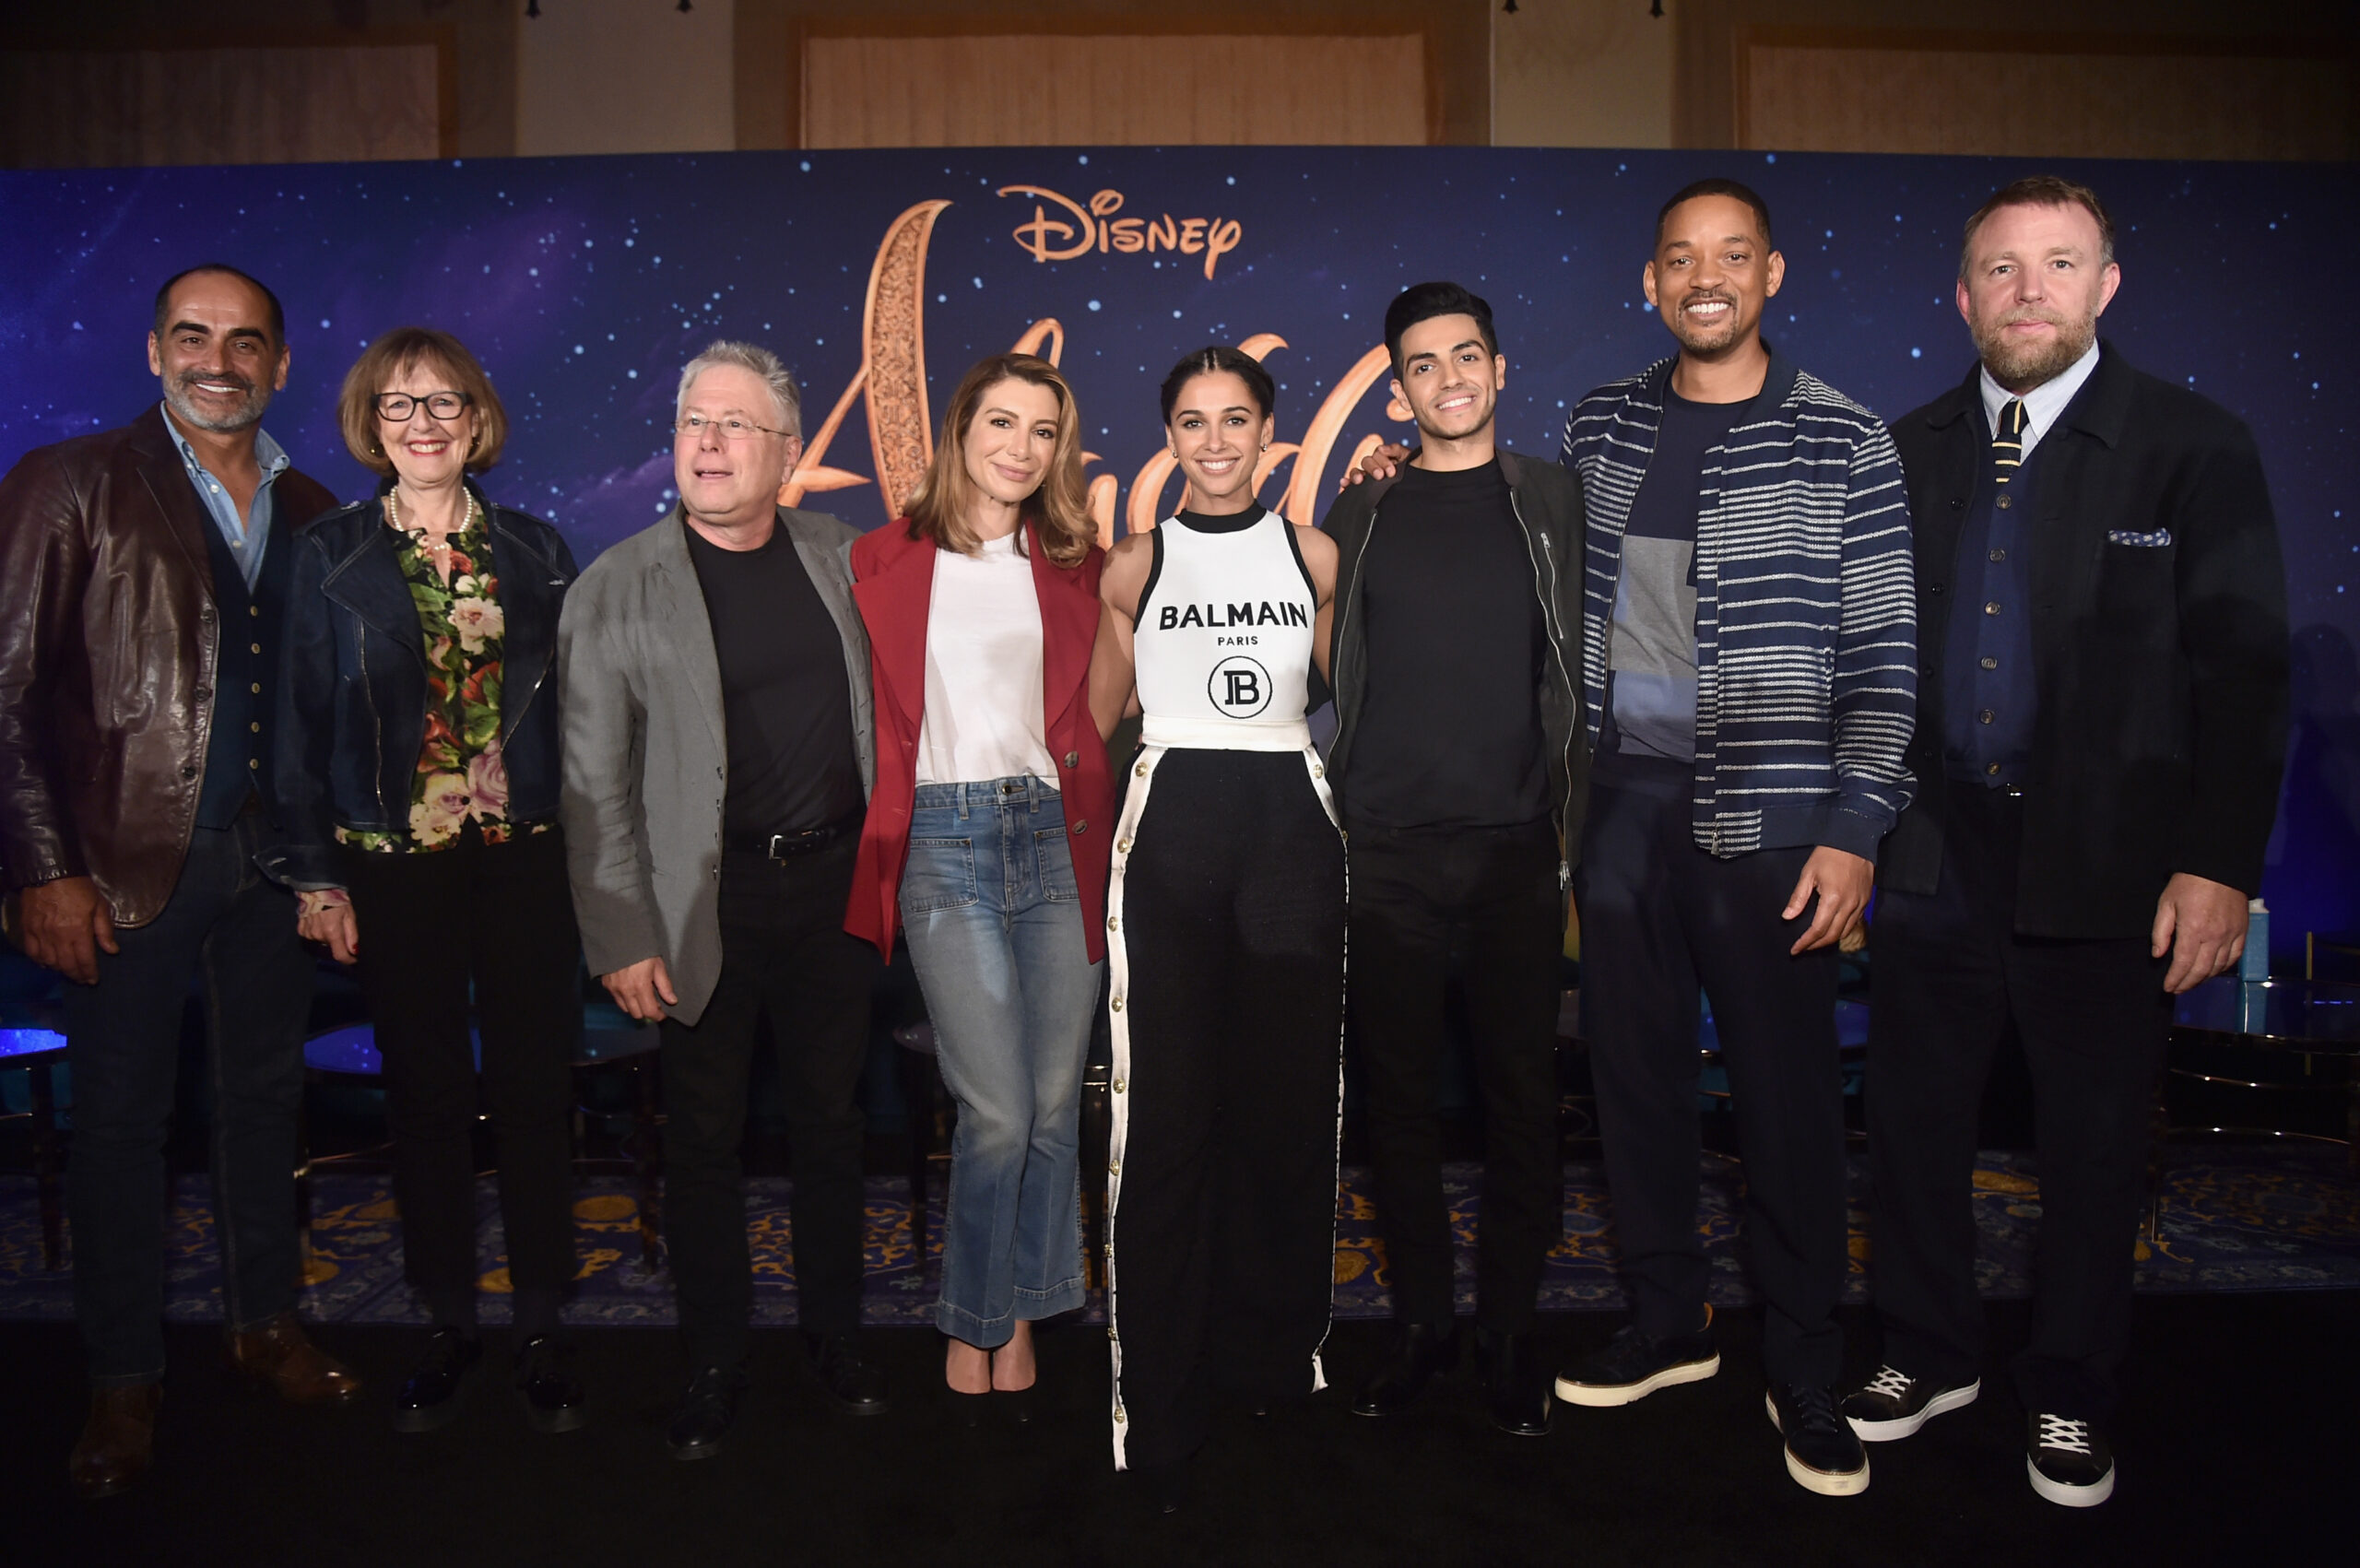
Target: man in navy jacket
x,y
2102,723
1749,655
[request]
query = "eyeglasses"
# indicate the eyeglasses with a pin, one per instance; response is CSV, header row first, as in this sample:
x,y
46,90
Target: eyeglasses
x,y
396,408
732,428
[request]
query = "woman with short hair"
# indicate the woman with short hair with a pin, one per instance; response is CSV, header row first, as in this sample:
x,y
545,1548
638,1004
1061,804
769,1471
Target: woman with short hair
x,y
417,769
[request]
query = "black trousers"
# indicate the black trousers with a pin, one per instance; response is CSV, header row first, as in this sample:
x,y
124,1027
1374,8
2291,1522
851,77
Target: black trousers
x,y
1496,888
496,919
785,951
1950,976
1658,917
235,932
1223,1235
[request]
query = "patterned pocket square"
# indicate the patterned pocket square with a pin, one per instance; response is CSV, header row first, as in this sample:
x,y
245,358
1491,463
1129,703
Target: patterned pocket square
x,y
2154,541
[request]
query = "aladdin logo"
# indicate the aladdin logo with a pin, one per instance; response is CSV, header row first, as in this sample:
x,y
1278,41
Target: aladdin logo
x,y
1095,228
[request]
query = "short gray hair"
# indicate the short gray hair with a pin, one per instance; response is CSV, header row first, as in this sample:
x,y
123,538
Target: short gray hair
x,y
748,357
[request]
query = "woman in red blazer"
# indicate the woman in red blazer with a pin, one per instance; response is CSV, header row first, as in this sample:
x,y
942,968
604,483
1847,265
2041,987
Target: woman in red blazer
x,y
988,836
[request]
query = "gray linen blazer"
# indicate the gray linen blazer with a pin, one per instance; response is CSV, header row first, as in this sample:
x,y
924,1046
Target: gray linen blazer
x,y
646,747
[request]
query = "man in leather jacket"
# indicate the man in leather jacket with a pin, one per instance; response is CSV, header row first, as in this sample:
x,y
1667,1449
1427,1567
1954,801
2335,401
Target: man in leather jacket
x,y
1459,766
147,567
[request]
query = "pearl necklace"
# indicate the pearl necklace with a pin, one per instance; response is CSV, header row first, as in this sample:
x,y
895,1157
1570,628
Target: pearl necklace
x,y
436,547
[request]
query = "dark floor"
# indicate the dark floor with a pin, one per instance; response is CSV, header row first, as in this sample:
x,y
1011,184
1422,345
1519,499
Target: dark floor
x,y
2235,1447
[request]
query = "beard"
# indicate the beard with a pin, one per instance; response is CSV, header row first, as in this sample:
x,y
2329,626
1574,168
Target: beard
x,y
2020,367
1702,340
180,393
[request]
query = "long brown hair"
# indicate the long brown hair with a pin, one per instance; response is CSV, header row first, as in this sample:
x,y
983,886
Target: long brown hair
x,y
937,508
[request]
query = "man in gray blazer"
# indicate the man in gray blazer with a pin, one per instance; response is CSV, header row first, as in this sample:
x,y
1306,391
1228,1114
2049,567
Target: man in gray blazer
x,y
719,752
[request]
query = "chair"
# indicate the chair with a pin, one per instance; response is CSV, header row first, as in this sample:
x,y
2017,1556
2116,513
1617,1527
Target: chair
x,y
608,1038
612,1039
347,1054
38,1051
2227,1036
2331,955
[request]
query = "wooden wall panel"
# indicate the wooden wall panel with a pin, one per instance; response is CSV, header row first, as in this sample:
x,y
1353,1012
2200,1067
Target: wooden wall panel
x,y
63,108
1010,90
1840,97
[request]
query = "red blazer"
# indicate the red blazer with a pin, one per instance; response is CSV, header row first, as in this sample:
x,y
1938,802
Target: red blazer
x,y
894,582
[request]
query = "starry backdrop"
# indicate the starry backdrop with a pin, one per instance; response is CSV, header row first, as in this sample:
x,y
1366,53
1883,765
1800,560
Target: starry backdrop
x,y
582,284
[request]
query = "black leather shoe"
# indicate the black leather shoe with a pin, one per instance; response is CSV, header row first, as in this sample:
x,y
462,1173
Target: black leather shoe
x,y
707,1409
553,1396
1420,1350
1515,1388
430,1397
855,1384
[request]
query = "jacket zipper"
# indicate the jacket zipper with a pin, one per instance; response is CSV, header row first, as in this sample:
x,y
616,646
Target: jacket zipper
x,y
1555,625
1344,617
376,726
515,717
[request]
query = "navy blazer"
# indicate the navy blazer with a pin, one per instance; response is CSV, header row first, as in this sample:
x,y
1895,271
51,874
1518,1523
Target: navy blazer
x,y
352,697
2159,648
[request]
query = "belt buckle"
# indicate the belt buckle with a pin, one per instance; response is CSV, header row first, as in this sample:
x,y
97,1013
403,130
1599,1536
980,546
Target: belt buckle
x,y
786,846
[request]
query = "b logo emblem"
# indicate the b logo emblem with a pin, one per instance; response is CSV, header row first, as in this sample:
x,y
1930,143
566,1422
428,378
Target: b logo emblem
x,y
1239,687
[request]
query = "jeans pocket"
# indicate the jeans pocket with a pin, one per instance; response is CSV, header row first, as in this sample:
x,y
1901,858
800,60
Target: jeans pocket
x,y
1055,858
940,874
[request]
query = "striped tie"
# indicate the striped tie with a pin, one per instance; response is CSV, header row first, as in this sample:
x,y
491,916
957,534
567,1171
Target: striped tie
x,y
2008,442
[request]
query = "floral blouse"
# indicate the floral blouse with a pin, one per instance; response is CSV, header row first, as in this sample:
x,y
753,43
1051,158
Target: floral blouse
x,y
460,777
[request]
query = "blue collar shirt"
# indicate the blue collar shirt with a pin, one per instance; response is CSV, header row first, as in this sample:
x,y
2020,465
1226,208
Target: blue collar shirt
x,y
2043,404
247,537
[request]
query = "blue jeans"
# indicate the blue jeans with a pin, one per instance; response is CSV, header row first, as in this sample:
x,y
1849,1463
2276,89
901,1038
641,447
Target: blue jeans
x,y
995,927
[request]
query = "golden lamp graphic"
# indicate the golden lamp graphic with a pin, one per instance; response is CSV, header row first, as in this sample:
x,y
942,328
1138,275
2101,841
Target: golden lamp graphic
x,y
892,378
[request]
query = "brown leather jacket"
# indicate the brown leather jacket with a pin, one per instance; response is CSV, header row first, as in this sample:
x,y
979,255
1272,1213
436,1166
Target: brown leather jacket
x,y
107,654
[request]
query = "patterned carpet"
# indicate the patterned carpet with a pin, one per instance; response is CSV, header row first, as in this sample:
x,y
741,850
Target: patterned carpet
x,y
2263,1221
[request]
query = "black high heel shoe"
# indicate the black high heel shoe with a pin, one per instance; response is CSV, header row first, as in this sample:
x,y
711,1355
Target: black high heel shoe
x,y
1015,1404
970,1407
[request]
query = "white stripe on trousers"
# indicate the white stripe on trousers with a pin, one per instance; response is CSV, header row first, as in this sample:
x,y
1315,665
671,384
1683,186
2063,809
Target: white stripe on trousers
x,y
1119,968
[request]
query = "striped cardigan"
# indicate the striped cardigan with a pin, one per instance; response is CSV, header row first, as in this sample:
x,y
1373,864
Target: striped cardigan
x,y
1806,610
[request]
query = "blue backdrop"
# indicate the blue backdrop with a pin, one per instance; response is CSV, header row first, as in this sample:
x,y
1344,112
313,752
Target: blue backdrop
x,y
585,283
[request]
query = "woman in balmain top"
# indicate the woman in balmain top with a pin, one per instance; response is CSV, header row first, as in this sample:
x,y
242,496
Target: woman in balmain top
x,y
1225,919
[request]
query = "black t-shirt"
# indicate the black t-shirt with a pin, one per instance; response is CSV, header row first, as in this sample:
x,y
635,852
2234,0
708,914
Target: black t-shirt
x,y
784,698
1449,729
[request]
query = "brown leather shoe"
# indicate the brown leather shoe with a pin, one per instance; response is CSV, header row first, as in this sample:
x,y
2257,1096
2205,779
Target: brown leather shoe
x,y
117,1441
281,1355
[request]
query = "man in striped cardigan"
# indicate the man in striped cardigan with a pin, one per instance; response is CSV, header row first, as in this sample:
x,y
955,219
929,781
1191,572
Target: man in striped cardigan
x,y
1750,659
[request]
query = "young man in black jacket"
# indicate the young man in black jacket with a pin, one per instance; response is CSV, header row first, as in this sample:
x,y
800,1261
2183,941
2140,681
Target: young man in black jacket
x,y
1456,762
2102,723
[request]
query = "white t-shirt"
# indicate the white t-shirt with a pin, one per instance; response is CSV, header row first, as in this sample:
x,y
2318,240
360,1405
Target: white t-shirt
x,y
983,697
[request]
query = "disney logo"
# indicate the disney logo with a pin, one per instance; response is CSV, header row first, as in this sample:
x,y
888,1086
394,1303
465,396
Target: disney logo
x,y
1095,228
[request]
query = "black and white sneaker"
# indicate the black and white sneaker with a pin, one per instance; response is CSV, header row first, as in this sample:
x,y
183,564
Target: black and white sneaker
x,y
1634,1365
1823,1454
2069,1462
1894,1404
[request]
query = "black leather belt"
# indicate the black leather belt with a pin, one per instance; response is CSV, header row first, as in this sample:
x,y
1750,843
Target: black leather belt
x,y
789,846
